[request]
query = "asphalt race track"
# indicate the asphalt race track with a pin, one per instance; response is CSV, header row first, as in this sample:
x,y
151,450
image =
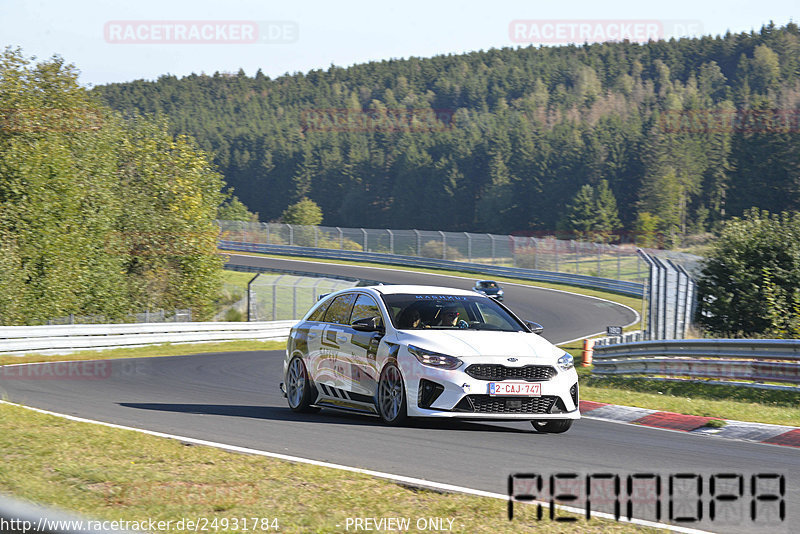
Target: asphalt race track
x,y
233,398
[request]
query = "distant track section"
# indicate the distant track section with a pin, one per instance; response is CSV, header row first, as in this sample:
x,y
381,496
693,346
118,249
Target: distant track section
x,y
606,284
565,315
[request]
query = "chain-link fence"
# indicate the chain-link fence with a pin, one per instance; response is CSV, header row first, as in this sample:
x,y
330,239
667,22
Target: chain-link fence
x,y
620,262
276,297
672,298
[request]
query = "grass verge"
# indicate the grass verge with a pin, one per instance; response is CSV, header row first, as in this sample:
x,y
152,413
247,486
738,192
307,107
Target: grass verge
x,y
113,474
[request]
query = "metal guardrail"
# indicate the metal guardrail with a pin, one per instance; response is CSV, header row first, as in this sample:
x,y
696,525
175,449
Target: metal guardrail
x,y
758,360
545,253
17,340
310,274
627,337
617,286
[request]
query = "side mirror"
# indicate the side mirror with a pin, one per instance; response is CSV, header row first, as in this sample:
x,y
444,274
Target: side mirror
x,y
368,324
536,328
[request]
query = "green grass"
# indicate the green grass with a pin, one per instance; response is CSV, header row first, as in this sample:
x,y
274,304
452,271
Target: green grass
x,y
113,474
236,278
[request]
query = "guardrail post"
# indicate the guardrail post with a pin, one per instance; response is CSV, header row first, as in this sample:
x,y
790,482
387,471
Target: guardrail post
x,y
555,248
314,291
341,238
275,299
250,300
365,240
391,241
294,298
291,235
444,245
598,247
316,236
419,242
491,237
266,231
469,247
575,248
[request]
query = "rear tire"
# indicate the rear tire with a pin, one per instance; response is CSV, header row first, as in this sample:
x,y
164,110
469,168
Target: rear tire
x,y
552,426
298,387
391,397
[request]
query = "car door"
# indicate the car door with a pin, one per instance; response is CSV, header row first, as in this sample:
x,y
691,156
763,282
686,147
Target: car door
x,y
363,348
333,361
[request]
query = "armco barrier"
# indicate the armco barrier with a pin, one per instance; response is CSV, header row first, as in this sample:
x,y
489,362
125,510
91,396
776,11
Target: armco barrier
x,y
593,282
16,340
758,360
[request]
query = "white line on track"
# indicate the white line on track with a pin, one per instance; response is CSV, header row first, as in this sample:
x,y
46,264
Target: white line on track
x,y
411,481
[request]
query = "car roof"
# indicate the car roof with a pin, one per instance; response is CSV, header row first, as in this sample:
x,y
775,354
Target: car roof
x,y
487,281
395,289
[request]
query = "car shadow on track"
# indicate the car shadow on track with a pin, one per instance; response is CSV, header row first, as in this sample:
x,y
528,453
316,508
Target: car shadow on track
x,y
281,413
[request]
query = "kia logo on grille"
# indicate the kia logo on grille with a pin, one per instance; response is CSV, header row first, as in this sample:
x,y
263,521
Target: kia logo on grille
x,y
512,359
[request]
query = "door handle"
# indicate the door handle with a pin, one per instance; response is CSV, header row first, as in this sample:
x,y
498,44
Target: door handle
x,y
341,339
312,335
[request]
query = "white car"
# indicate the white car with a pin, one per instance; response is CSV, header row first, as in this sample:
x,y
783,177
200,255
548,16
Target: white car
x,y
418,351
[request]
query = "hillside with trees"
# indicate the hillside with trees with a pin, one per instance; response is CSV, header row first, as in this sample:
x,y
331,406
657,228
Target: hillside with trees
x,y
607,139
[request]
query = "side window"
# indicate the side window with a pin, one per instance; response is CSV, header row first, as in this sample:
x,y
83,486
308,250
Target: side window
x,y
339,310
365,307
319,313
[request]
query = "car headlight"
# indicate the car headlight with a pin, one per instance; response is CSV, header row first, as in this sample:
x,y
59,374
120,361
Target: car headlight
x,y
565,363
434,359
500,292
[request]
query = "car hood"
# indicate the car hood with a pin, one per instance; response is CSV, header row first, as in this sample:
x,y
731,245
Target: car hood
x,y
469,344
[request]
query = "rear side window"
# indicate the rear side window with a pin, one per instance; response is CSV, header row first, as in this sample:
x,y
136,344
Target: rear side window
x,y
339,310
319,313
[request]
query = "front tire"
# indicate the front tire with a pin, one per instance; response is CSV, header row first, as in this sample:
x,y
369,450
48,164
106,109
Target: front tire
x,y
552,426
298,387
391,398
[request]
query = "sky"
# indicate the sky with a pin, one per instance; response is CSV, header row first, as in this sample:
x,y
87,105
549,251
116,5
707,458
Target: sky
x,y
123,41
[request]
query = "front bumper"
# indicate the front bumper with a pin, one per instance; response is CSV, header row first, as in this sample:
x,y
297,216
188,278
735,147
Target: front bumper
x,y
459,395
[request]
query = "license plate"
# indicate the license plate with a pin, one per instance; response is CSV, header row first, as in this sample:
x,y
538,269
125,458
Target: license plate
x,y
529,389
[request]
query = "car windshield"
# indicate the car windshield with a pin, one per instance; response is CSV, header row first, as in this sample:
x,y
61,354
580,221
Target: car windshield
x,y
431,311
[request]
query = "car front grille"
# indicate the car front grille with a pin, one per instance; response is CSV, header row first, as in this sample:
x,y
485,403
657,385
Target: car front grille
x,y
489,404
531,373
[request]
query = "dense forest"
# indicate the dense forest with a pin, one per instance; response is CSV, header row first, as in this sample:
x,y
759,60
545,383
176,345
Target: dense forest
x,y
614,138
